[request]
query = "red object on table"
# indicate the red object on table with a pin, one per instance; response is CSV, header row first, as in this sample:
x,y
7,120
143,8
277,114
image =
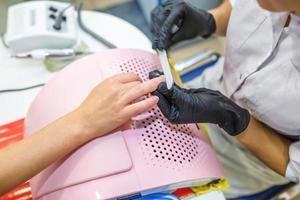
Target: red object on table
x,y
183,193
10,133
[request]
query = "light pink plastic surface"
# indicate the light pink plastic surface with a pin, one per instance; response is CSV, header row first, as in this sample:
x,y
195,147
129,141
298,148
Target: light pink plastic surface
x,y
152,154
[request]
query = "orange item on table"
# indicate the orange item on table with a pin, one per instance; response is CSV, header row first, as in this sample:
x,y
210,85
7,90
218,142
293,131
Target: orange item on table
x,y
10,133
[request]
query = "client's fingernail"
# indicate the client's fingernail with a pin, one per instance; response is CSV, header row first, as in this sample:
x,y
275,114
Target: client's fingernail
x,y
155,98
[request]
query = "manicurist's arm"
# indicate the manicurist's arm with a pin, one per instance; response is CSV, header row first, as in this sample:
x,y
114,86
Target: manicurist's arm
x,y
221,15
208,106
267,145
108,108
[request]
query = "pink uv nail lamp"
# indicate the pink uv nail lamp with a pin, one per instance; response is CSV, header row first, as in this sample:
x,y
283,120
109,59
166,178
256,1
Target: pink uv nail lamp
x,y
153,155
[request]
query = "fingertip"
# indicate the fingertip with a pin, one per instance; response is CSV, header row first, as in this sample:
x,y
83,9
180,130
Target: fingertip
x,y
154,42
159,80
134,75
150,102
142,106
162,86
163,43
159,42
129,77
159,46
162,78
155,83
153,74
155,99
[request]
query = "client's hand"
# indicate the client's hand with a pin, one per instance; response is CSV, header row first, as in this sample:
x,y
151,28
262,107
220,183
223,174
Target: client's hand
x,y
112,103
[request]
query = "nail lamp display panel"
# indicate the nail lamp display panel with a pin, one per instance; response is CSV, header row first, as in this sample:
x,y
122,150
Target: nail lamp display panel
x,y
153,155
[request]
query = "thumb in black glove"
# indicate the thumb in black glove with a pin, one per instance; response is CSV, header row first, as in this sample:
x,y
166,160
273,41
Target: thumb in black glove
x,y
200,106
191,22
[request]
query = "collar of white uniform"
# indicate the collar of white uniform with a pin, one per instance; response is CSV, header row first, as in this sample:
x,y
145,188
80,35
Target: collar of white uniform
x,y
294,26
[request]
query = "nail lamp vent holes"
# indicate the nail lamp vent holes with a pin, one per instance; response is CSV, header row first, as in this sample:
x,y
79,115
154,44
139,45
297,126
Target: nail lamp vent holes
x,y
162,143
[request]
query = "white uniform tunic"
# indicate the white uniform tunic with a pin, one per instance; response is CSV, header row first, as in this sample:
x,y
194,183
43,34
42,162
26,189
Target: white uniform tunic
x,y
261,73
262,70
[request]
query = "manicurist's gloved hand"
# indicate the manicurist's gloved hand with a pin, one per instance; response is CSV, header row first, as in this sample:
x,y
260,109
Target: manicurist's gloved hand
x,y
200,106
191,22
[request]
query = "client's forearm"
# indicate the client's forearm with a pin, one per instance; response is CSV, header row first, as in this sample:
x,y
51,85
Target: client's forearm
x,y
22,160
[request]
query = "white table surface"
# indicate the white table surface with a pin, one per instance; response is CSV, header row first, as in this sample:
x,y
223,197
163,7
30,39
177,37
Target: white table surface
x,y
214,195
18,73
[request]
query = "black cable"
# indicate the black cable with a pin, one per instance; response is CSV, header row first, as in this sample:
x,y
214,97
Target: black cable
x,y
21,89
59,19
90,32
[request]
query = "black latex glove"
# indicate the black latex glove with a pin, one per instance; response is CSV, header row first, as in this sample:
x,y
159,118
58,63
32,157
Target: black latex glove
x,y
200,106
191,22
